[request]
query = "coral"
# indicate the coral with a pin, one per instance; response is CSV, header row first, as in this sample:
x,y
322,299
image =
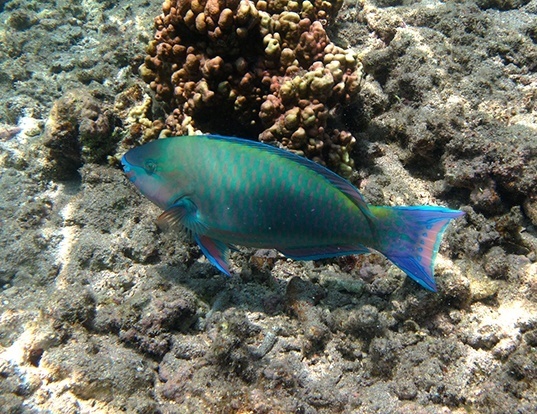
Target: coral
x,y
268,68
134,108
78,130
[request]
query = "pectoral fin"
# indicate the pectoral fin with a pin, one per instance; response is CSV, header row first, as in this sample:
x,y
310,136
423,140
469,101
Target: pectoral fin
x,y
215,250
183,212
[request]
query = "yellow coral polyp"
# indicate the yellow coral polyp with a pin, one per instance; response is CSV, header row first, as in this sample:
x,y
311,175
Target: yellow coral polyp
x,y
350,57
308,117
268,109
299,137
266,24
345,169
224,88
307,8
289,21
212,7
272,46
293,6
335,69
245,12
196,6
201,26
287,57
287,91
146,73
166,6
291,119
190,18
303,84
225,20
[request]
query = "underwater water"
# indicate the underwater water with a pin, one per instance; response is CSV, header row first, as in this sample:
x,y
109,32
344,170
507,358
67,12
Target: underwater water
x,y
103,311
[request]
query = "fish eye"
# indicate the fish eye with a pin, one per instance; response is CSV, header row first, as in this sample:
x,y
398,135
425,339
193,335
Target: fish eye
x,y
150,167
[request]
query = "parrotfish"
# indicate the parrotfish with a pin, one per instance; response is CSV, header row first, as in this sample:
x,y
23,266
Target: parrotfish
x,y
229,191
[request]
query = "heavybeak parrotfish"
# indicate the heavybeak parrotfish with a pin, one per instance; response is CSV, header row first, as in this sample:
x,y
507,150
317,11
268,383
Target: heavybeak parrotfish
x,y
229,191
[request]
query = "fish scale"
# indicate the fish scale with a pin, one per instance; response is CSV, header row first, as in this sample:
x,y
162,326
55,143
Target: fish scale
x,y
229,191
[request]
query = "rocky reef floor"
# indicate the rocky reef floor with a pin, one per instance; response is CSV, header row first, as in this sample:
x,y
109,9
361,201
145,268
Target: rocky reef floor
x,y
103,312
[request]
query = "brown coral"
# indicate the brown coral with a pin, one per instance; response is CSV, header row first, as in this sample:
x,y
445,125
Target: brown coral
x,y
264,68
79,130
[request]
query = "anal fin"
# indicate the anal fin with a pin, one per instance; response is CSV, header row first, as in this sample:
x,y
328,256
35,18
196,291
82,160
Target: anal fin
x,y
322,252
215,251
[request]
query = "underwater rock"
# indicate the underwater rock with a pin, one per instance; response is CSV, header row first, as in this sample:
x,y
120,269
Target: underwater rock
x,y
79,130
168,313
99,370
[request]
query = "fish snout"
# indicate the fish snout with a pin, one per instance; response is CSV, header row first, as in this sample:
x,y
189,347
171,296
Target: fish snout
x,y
128,168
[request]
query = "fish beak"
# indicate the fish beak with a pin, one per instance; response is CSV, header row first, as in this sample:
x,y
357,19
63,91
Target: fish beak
x,y
127,169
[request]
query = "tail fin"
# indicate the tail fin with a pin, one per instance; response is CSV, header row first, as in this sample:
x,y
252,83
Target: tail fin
x,y
410,237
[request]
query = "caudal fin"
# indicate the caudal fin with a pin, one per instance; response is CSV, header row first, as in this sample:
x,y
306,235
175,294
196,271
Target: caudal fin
x,y
410,238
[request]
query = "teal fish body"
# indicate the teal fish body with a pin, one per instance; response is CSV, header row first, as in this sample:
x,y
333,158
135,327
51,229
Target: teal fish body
x,y
228,191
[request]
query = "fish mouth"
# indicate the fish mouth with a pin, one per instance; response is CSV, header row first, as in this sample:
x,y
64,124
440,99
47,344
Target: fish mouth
x,y
127,168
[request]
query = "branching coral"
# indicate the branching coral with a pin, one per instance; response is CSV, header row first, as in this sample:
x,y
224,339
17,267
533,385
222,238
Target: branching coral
x,y
263,68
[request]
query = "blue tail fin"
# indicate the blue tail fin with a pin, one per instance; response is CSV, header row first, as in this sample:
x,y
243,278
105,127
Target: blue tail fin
x,y
410,237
